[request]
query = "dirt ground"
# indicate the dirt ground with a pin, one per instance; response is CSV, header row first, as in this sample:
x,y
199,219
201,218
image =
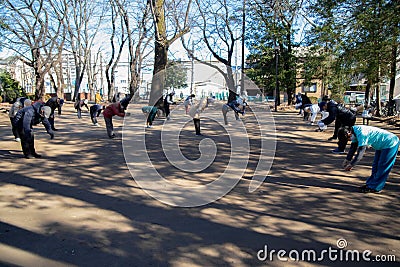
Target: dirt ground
x,y
78,205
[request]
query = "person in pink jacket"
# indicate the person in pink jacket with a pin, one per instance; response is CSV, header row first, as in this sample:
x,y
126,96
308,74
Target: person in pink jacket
x,y
111,110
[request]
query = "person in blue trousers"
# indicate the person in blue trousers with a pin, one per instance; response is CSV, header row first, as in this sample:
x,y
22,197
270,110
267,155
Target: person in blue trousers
x,y
386,145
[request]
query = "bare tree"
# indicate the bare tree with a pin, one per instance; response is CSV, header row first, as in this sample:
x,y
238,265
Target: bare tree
x,y
216,33
117,38
31,30
138,33
82,20
164,38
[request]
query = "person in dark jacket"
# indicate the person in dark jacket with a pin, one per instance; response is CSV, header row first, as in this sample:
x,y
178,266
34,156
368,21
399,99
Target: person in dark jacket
x,y
168,100
54,103
24,121
330,107
95,111
108,113
19,103
344,117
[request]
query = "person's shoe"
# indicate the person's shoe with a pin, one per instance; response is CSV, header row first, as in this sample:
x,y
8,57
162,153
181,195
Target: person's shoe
x,y
148,126
54,129
36,155
17,139
199,134
112,136
96,124
337,151
366,189
332,138
27,156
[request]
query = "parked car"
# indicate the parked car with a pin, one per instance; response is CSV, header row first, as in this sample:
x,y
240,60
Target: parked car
x,y
356,97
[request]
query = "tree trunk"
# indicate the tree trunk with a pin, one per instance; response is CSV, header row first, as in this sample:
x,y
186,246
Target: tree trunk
x,y
160,52
40,89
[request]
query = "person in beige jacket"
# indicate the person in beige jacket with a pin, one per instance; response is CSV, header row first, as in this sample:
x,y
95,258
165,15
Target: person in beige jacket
x,y
195,111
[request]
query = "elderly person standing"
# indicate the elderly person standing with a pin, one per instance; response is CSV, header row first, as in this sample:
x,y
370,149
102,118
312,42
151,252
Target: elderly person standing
x,y
386,145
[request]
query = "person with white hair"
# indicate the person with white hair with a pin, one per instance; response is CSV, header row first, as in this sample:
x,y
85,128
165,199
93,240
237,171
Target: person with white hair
x,y
19,103
24,121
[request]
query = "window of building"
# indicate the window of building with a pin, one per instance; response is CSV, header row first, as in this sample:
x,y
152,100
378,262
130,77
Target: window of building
x,y
310,89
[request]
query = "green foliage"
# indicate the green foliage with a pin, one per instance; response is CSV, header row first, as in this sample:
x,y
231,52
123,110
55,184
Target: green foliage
x,y
9,88
176,75
354,39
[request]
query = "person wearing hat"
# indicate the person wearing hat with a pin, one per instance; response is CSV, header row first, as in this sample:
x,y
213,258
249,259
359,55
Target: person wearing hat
x,y
54,103
24,121
386,145
19,103
111,110
78,106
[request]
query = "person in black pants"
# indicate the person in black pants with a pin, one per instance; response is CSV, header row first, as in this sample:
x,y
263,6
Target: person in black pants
x,y
167,102
95,111
25,119
54,103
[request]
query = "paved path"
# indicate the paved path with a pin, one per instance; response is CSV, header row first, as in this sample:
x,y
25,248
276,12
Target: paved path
x,y
79,206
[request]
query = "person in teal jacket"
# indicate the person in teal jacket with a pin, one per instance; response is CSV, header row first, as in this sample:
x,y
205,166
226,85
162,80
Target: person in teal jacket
x,y
386,145
150,112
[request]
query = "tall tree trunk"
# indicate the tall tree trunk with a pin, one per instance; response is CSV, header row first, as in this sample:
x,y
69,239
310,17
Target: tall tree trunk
x,y
160,52
40,89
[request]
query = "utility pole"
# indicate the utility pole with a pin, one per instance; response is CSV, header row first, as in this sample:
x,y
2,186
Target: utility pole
x,y
276,49
192,74
242,89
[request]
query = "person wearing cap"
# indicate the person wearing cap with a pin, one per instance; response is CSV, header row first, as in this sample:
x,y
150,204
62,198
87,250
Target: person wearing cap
x,y
54,103
19,103
95,112
386,145
24,121
78,106
111,110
